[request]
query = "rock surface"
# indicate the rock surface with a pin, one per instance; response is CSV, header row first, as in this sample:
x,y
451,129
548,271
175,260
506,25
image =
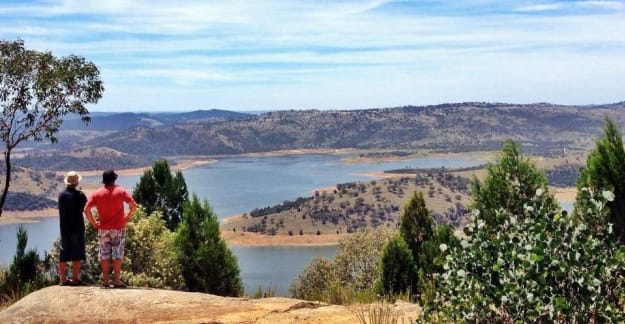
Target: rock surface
x,y
144,305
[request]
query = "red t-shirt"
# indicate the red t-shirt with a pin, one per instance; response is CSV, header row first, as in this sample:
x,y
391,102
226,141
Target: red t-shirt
x,y
109,200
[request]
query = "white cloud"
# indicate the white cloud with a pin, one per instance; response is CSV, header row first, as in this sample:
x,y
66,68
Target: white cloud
x,y
271,54
540,7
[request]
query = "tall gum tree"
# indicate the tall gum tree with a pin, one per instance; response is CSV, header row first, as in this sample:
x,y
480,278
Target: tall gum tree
x,y
37,90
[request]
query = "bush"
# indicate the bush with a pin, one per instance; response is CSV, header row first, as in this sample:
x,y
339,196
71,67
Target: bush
x,y
150,257
605,170
27,272
311,283
352,274
397,268
207,263
540,266
357,258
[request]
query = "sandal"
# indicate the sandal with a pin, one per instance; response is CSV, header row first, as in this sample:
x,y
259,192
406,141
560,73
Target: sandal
x,y
66,283
78,283
121,285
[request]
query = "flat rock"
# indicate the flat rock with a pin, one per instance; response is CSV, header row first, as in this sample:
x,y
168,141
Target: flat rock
x,y
89,304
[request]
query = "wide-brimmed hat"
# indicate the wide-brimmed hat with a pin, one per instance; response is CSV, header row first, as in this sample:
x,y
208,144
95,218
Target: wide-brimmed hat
x,y
109,176
72,178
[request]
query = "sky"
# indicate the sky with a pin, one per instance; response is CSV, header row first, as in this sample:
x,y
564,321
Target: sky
x,y
158,55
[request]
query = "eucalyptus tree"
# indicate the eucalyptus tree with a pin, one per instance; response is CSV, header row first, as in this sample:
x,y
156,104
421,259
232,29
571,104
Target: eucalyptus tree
x,y
37,90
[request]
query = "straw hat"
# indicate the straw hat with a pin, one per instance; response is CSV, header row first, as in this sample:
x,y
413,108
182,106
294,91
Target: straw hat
x,y
72,178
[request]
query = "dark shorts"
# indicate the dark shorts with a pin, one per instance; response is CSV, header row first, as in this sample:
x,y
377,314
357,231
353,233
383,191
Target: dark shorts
x,y
72,247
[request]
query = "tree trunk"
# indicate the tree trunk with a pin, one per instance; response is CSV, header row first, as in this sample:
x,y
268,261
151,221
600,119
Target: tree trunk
x,y
7,179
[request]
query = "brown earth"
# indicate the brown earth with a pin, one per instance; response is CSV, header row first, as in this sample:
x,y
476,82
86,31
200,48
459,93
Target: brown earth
x,y
58,304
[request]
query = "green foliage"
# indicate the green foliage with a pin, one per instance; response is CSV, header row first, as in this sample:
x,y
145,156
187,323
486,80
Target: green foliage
x,y
312,282
605,170
537,266
511,181
159,190
150,256
207,263
352,274
357,259
37,90
430,259
397,268
26,273
416,224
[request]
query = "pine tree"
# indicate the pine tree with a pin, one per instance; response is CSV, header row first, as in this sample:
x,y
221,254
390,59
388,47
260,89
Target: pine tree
x,y
416,224
605,171
23,274
159,190
510,183
397,268
207,263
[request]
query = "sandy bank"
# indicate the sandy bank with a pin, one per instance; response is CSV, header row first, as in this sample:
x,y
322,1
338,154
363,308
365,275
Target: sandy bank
x,y
31,216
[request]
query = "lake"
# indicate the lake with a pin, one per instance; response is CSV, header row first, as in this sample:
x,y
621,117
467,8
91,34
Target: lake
x,y
239,184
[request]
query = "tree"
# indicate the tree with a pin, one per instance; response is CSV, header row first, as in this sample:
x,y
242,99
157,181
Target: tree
x,y
416,224
539,267
37,90
510,182
26,273
397,268
150,253
429,261
605,171
159,190
207,263
357,258
312,283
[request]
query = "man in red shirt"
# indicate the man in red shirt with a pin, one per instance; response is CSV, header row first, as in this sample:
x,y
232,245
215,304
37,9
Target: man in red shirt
x,y
111,224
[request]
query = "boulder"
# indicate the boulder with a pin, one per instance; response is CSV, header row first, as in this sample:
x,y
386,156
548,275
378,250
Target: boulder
x,y
88,304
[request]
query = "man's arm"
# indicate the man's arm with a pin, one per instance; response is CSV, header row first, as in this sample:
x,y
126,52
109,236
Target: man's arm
x,y
90,218
131,212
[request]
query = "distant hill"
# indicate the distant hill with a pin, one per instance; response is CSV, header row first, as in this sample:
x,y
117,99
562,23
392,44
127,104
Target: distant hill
x,y
121,121
541,128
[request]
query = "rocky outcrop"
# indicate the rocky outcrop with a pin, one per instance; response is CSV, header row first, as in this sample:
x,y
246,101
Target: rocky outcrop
x,y
143,305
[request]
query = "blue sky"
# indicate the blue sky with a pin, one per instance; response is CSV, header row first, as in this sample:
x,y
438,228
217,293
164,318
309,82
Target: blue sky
x,y
265,55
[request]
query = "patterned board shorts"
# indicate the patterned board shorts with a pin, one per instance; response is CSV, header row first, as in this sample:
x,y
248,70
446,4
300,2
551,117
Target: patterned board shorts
x,y
112,243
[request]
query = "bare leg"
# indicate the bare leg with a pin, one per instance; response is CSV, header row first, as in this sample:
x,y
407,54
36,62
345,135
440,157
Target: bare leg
x,y
105,265
76,271
117,269
62,267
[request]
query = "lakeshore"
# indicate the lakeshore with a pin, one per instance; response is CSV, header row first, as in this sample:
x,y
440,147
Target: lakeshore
x,y
188,162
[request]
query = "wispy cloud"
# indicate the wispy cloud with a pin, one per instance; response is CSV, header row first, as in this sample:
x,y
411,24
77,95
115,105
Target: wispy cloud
x,y
333,54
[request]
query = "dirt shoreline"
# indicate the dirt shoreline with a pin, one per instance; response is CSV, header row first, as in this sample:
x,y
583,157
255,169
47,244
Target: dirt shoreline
x,y
251,239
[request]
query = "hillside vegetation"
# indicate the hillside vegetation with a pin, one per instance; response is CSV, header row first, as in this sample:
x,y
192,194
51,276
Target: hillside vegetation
x,y
357,205
542,129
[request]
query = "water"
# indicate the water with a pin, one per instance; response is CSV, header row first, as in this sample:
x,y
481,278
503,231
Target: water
x,y
237,185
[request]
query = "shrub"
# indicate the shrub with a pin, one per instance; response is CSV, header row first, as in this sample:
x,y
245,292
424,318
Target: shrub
x,y
27,272
397,268
540,266
605,170
207,263
510,182
352,274
311,283
357,258
150,254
